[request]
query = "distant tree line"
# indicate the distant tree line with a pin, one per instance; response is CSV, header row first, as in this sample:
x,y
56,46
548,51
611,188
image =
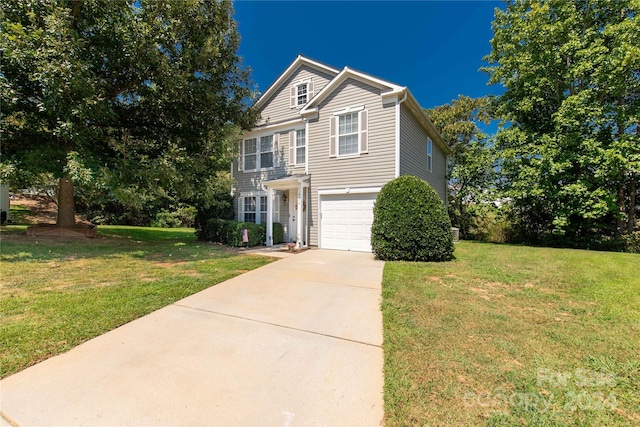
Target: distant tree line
x,y
564,167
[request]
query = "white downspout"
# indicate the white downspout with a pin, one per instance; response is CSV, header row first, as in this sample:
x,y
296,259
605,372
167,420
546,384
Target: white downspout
x,y
269,241
299,220
398,131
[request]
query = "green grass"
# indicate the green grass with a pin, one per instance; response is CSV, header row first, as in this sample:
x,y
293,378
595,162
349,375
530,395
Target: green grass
x,y
511,335
57,293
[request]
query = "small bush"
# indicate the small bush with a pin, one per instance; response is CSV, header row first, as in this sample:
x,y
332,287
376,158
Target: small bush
x,y
278,233
410,223
166,219
183,216
229,232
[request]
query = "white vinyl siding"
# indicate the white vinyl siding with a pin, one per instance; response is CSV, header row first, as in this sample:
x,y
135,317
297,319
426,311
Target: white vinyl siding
x,y
330,172
279,107
413,154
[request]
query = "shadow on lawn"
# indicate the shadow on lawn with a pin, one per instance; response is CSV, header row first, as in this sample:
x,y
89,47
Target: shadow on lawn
x,y
156,245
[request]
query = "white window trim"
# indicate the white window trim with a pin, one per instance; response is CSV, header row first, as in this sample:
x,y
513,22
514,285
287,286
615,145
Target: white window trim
x,y
258,152
306,145
308,82
253,194
429,155
360,111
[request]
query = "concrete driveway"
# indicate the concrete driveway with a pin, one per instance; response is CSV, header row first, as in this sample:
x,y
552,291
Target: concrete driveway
x,y
296,342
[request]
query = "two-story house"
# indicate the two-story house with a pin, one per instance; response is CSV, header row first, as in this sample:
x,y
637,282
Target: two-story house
x,y
327,141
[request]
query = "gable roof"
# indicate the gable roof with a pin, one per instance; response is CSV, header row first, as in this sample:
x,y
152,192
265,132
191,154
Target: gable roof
x,y
299,61
390,90
345,74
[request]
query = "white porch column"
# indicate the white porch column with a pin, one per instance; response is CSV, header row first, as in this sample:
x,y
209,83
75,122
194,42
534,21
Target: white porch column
x,y
299,220
269,241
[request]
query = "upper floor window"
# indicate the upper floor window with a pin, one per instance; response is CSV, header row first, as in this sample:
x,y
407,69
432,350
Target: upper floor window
x,y
266,152
250,154
348,134
429,155
301,93
301,146
258,153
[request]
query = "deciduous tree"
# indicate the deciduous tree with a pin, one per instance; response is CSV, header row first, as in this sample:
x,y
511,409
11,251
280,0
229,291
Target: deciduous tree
x,y
139,97
570,145
471,170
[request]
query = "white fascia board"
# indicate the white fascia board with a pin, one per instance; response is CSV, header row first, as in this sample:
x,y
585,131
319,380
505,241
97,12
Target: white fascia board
x,y
344,75
349,190
273,127
285,75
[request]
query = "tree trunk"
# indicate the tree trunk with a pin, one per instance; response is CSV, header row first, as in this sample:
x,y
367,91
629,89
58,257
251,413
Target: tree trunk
x,y
66,205
631,216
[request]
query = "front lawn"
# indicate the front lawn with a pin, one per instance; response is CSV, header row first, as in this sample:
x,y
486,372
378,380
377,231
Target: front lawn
x,y
511,335
57,293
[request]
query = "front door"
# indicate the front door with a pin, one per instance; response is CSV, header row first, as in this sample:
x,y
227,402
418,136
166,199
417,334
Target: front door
x,y
293,225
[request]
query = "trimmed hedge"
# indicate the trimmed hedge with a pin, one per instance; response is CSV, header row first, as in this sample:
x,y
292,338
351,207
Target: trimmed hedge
x,y
229,232
278,233
410,223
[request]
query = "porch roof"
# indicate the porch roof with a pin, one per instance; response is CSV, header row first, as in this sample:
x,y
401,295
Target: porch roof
x,y
287,182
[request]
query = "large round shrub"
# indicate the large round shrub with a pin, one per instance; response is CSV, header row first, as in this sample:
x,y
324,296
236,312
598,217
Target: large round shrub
x,y
410,223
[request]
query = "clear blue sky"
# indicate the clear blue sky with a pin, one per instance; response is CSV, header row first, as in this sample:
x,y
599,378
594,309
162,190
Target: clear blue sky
x,y
433,47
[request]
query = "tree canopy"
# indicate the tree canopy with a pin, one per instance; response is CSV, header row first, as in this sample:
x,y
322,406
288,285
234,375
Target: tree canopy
x,y
137,99
471,171
570,145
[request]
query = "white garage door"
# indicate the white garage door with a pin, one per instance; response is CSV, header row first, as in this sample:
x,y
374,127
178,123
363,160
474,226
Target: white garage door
x,y
346,221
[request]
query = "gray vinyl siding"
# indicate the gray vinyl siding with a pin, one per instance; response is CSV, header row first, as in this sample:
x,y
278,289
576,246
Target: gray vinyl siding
x,y
372,169
278,108
413,153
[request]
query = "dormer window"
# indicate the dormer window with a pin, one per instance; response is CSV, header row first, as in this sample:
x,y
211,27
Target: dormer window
x,y
301,93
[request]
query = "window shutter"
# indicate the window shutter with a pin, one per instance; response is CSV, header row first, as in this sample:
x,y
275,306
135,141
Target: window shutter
x,y
333,137
310,92
240,208
364,137
276,151
292,96
240,158
292,147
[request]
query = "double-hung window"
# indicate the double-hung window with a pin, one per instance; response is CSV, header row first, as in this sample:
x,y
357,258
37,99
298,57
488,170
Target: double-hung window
x,y
249,209
255,209
250,154
302,94
266,152
429,155
301,146
258,153
348,134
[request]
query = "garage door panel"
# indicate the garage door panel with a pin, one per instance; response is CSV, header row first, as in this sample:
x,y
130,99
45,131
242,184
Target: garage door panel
x,y
346,221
